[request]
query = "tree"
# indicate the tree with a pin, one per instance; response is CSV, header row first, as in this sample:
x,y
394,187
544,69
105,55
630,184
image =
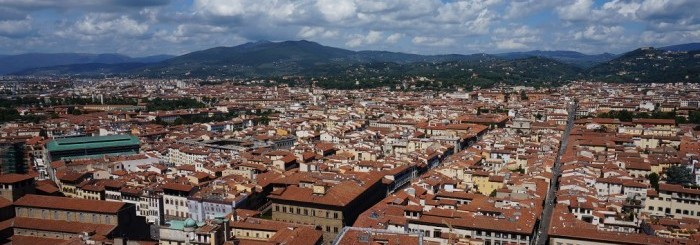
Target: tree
x,y
74,111
43,133
625,116
493,193
8,114
654,180
179,121
264,120
523,96
679,175
694,117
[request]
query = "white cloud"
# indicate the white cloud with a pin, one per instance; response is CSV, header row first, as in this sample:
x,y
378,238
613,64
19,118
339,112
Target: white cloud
x,y
433,41
524,8
309,32
226,8
424,26
510,44
337,10
393,38
371,37
16,28
93,25
578,10
599,33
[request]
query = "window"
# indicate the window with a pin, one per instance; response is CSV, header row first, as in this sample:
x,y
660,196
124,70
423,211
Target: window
x,y
335,215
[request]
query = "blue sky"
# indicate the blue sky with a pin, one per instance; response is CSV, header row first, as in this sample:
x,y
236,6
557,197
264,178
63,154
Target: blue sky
x,y
148,27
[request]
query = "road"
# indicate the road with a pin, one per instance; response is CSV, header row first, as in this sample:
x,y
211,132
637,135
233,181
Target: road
x,y
541,235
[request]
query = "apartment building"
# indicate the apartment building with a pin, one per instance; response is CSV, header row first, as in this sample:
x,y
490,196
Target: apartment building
x,y
67,218
674,200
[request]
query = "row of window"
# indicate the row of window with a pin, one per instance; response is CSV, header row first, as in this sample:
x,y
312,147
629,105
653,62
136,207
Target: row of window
x,y
69,216
677,211
174,202
438,233
177,213
303,211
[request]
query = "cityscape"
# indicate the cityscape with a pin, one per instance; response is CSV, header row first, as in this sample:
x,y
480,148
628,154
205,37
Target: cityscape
x,y
235,128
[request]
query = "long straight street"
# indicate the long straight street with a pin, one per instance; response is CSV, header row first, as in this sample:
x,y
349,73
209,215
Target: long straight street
x,y
541,236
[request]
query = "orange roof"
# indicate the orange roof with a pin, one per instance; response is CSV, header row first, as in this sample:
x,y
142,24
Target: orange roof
x,y
66,203
13,178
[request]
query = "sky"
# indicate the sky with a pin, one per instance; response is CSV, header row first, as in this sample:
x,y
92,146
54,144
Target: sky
x,y
149,27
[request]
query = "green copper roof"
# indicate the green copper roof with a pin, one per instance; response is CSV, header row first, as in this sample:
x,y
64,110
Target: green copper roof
x,y
78,143
181,224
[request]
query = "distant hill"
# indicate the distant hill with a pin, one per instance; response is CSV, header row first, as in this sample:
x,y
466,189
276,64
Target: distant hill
x,y
569,57
16,63
650,65
682,47
88,69
266,59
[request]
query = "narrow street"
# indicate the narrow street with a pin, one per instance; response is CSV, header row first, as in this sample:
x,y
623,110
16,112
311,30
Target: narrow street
x,y
541,235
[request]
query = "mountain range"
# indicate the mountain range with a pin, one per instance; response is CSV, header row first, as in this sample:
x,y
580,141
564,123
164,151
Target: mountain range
x,y
275,59
15,63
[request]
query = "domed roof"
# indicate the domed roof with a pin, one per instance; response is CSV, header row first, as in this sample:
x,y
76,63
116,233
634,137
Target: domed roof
x,y
189,222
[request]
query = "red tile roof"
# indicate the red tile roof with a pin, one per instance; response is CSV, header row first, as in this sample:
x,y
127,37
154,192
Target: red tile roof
x,y
13,178
66,203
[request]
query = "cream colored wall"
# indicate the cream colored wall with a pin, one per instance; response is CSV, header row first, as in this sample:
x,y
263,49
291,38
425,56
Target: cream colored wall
x,y
566,241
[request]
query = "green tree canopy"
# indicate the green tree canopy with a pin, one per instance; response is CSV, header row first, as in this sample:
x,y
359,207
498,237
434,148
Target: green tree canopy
x,y
680,175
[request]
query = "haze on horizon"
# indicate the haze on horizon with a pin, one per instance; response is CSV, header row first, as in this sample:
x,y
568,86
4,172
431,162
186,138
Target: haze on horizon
x,y
149,27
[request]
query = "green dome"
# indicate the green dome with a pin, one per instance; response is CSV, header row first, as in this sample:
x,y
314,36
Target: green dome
x,y
189,222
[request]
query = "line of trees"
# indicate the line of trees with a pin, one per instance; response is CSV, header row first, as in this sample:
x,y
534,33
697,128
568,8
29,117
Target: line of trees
x,y
159,104
627,116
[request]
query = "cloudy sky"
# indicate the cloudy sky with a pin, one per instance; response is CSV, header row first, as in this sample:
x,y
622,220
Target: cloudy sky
x,y
147,27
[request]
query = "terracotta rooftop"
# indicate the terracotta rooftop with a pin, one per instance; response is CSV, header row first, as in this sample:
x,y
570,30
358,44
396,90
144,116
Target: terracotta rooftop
x,y
66,203
13,178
